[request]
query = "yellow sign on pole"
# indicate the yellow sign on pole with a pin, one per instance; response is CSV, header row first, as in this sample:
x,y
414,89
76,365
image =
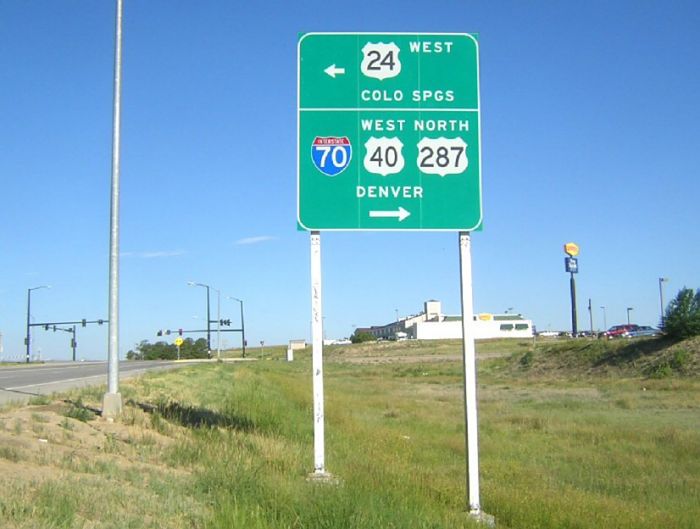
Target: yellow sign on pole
x,y
571,248
179,341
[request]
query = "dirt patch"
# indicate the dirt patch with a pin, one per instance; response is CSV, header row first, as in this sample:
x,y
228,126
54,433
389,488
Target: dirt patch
x,y
39,443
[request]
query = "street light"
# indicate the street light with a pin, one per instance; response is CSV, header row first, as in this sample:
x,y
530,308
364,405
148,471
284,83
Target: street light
x,y
193,284
242,324
29,304
605,318
218,323
629,309
662,280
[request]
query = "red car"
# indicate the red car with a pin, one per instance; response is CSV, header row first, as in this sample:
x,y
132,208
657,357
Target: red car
x,y
617,331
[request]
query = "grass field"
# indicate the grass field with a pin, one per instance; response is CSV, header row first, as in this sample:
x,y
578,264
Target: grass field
x,y
577,435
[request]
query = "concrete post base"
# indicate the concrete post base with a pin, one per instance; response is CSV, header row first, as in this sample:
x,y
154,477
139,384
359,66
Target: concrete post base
x,y
482,518
323,477
111,405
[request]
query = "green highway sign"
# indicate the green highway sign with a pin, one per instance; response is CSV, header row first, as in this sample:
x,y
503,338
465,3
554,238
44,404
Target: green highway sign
x,y
389,132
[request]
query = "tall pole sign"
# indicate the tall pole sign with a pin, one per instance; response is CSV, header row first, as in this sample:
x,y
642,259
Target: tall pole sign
x,y
389,139
388,133
571,249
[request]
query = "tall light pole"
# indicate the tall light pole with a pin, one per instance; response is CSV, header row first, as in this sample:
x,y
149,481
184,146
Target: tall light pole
x,y
29,305
242,324
662,280
629,309
218,323
605,318
112,400
193,284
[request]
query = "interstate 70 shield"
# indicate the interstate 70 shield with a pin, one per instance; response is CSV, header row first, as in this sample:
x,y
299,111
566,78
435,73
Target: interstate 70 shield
x,y
331,155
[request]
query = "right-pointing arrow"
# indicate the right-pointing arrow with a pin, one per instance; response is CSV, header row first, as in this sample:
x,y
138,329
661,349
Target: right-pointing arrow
x,y
399,214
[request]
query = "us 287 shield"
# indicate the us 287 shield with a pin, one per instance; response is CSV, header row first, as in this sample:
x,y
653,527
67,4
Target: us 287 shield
x,y
331,154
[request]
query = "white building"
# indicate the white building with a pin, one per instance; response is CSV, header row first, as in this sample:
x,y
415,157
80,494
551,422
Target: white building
x,y
432,324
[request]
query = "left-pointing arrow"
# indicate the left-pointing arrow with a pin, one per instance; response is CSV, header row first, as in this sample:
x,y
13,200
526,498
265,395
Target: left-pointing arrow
x,y
333,70
399,214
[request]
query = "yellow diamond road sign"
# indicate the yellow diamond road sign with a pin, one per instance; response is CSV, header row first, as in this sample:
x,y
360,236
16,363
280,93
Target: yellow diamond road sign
x,y
179,341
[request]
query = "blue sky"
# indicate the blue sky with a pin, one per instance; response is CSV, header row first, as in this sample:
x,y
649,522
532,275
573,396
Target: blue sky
x,y
590,123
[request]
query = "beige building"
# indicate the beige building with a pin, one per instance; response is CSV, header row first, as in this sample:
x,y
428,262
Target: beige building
x,y
432,324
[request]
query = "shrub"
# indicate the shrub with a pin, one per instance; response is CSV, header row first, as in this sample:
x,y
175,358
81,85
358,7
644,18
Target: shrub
x,y
682,318
360,337
527,359
78,411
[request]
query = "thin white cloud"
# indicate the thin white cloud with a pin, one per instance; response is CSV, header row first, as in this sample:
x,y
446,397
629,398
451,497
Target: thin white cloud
x,y
153,254
255,240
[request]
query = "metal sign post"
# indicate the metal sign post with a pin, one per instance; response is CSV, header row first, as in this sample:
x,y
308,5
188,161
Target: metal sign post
x,y
178,343
469,363
317,357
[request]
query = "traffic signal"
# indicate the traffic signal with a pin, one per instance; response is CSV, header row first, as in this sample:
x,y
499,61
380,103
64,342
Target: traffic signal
x,y
54,328
167,332
179,331
46,327
100,322
159,333
225,322
84,322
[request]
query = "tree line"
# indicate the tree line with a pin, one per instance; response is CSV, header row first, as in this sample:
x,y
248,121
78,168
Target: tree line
x,y
168,351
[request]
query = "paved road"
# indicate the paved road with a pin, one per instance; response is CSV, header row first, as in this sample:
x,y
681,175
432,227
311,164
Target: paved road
x,y
20,383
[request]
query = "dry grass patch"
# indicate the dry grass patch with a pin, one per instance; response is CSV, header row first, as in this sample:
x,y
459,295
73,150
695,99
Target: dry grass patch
x,y
74,473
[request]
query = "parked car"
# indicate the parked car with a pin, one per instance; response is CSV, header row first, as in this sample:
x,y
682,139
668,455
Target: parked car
x,y
617,331
643,330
